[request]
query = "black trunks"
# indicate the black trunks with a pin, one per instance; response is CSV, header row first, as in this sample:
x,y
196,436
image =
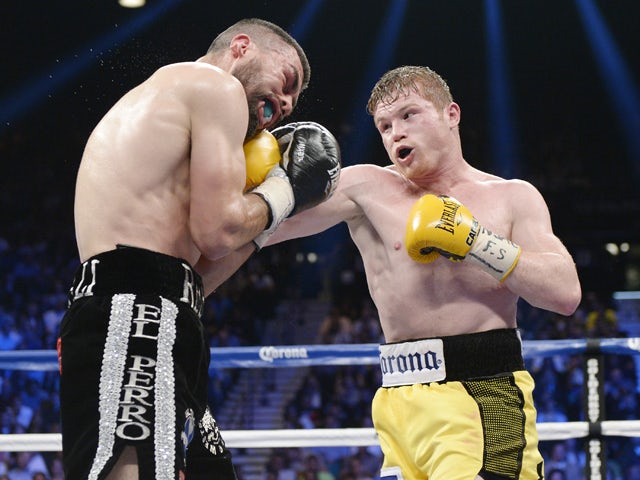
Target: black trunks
x,y
134,370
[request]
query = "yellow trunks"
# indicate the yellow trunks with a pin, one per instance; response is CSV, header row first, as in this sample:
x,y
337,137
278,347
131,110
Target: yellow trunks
x,y
459,429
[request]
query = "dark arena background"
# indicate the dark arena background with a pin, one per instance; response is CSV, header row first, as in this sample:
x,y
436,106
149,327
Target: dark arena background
x,y
549,92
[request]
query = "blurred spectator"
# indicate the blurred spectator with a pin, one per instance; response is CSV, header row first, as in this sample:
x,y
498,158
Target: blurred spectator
x,y
549,410
57,472
549,371
632,472
601,320
564,459
369,463
366,327
556,474
314,469
625,451
354,470
4,462
280,466
10,337
20,468
335,328
574,384
621,398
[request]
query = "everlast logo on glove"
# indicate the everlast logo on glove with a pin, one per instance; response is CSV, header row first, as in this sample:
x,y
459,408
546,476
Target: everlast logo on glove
x,y
334,176
448,216
407,363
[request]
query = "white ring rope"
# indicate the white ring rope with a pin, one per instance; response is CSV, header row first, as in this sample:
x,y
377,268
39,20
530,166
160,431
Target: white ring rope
x,y
323,437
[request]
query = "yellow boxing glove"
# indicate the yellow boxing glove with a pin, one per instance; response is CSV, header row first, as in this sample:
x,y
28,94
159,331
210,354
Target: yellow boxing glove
x,y
440,225
261,153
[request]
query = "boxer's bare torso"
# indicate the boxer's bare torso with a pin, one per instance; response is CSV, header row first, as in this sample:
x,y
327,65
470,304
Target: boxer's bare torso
x,y
417,300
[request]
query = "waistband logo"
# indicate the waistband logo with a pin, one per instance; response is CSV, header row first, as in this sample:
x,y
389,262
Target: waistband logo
x,y
83,286
192,292
268,354
413,362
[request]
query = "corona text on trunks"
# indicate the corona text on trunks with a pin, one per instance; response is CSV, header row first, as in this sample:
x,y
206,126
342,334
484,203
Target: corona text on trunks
x,y
420,361
410,363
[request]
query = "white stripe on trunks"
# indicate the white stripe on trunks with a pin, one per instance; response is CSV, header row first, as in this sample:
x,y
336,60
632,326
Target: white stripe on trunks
x,y
111,376
165,434
111,380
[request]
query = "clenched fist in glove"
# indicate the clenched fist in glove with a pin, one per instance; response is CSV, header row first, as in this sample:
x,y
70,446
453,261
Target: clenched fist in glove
x,y
440,225
306,176
261,154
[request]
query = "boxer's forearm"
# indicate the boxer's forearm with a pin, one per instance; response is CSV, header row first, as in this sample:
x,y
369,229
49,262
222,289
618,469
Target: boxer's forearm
x,y
215,272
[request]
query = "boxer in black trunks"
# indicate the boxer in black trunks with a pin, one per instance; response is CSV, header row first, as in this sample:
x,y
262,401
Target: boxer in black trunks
x,y
113,343
160,212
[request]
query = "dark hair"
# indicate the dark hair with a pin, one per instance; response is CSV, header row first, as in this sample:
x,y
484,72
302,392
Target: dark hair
x,y
263,33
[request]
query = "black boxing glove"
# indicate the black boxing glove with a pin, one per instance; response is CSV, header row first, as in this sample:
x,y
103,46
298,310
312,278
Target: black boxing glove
x,y
306,176
311,159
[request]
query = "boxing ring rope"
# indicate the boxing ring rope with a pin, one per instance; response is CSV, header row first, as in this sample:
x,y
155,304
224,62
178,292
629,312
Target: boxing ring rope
x,y
363,354
322,437
327,355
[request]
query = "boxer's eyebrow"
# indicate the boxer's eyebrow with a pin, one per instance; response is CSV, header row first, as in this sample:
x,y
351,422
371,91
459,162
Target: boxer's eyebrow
x,y
293,82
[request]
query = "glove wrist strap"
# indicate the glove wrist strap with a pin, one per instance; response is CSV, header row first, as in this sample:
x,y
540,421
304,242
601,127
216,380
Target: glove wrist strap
x,y
276,191
494,254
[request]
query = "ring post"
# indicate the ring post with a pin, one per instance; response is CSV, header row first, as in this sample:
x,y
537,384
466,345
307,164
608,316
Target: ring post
x,y
594,410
